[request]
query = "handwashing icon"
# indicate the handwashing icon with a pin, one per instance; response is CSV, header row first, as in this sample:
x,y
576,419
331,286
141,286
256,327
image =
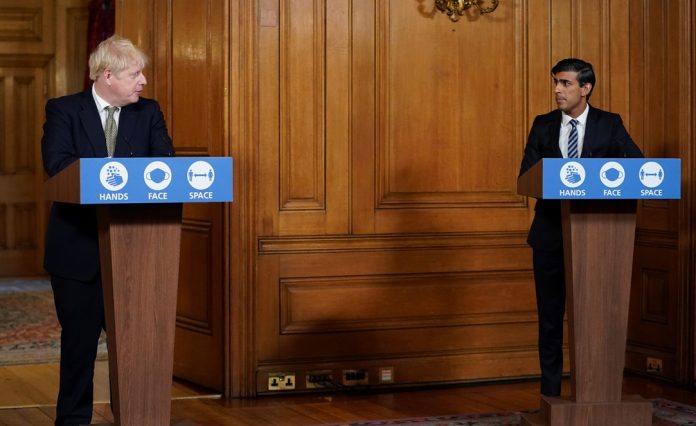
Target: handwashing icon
x,y
572,175
113,176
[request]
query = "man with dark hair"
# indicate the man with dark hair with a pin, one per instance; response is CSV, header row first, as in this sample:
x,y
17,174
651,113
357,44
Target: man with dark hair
x,y
575,129
585,73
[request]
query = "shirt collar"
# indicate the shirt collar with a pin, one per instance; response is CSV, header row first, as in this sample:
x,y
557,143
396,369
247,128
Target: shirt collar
x,y
99,101
565,118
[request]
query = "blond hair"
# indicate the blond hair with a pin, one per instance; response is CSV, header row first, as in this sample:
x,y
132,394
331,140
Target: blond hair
x,y
116,53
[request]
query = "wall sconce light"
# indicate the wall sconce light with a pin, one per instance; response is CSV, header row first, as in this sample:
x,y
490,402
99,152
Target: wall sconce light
x,y
455,8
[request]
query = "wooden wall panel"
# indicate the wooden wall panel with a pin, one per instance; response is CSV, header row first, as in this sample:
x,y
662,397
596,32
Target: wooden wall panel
x,y
21,174
188,78
192,59
33,36
194,304
358,303
656,310
71,46
430,186
658,123
430,173
341,305
305,161
429,117
26,47
302,97
26,27
378,145
430,155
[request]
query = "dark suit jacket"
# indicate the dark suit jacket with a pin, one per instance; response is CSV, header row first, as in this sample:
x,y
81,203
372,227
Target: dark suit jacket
x,y
73,130
605,137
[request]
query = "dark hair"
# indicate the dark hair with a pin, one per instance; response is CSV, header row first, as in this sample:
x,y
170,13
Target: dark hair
x,y
584,70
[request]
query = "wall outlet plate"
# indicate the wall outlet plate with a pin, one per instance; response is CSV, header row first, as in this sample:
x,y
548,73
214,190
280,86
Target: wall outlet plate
x,y
318,379
281,381
386,374
355,377
654,365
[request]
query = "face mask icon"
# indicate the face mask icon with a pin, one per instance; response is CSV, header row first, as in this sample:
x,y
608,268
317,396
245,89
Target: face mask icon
x,y
157,175
611,174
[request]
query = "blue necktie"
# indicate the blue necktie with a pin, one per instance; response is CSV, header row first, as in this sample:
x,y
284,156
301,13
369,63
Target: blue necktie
x,y
573,139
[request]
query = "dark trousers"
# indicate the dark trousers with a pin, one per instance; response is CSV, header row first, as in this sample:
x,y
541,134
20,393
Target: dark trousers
x,y
549,278
80,310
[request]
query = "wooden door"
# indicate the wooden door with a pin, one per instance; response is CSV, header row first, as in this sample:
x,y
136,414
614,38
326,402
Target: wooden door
x,y
22,209
42,49
26,53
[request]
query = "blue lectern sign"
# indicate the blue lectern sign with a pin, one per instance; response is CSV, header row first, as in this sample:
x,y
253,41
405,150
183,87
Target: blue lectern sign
x,y
155,180
612,178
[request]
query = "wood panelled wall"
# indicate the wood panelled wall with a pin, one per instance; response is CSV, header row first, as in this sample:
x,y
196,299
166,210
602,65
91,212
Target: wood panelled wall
x,y
26,46
389,231
188,43
43,54
662,118
376,143
40,57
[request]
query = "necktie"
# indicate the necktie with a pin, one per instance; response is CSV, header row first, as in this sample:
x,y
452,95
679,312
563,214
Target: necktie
x,y
573,139
110,130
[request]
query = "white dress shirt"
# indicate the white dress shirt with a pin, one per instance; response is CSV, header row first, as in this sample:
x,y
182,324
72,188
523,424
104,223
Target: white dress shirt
x,y
101,107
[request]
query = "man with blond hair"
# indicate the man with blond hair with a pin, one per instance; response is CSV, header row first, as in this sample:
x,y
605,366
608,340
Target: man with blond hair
x,y
109,119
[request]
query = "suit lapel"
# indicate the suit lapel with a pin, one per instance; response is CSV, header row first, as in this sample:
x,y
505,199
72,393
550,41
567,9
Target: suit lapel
x,y
89,116
126,124
554,135
590,132
93,127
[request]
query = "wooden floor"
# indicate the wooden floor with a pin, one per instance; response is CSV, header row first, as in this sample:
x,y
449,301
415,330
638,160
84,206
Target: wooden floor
x,y
27,395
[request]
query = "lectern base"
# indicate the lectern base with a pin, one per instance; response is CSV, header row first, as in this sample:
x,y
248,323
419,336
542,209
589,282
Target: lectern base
x,y
632,411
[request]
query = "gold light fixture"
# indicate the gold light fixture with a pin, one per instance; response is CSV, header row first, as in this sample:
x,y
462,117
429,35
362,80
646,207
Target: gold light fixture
x,y
455,8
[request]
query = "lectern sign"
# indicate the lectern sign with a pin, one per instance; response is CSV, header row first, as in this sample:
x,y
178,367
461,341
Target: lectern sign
x,y
598,223
611,178
155,180
139,204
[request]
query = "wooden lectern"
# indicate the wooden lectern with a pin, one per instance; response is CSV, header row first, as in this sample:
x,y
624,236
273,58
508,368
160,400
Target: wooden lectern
x,y
598,237
139,249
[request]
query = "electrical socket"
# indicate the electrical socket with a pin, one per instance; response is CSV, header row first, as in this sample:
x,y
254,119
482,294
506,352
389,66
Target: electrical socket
x,y
355,377
281,381
318,379
654,365
386,374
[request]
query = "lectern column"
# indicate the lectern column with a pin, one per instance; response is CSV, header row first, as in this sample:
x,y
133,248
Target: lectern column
x,y
139,248
598,238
